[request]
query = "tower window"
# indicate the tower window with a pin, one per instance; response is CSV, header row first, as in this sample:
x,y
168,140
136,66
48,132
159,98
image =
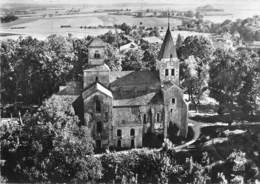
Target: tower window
x,y
144,119
99,127
96,54
173,72
158,117
170,55
119,133
132,132
166,72
98,106
173,100
171,111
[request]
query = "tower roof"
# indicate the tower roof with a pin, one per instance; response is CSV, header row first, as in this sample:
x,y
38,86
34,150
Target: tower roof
x,y
96,42
168,48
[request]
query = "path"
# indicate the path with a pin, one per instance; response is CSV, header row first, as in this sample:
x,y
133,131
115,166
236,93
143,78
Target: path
x,y
196,126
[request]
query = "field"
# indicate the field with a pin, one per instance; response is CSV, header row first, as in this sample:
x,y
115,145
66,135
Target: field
x,y
42,27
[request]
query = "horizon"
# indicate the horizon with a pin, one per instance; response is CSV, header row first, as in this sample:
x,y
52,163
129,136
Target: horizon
x,y
96,2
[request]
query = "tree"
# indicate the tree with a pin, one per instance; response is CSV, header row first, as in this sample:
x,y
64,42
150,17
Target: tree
x,y
50,146
126,28
195,79
113,59
225,79
198,46
179,43
132,60
247,98
234,80
150,55
80,47
196,51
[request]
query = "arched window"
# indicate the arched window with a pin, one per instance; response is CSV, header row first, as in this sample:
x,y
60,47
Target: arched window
x,y
96,54
98,105
119,133
132,132
173,100
99,127
158,117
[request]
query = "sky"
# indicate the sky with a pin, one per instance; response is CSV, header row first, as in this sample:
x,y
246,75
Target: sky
x,y
124,1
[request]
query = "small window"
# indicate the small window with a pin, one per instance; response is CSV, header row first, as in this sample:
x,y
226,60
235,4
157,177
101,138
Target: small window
x,y
97,54
132,132
98,106
119,133
158,117
171,111
96,79
98,144
144,119
99,127
132,143
173,100
173,72
170,55
166,72
119,143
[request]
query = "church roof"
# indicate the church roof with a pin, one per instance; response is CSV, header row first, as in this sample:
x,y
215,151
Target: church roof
x,y
94,88
137,78
168,48
148,98
102,67
96,42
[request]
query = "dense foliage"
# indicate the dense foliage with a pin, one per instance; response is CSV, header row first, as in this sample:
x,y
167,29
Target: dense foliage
x,y
8,18
234,80
48,146
196,52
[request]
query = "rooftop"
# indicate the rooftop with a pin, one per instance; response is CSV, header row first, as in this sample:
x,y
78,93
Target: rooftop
x,y
96,42
168,48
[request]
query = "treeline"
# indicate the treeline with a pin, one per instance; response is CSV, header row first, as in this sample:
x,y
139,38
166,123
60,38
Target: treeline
x,y
8,18
246,28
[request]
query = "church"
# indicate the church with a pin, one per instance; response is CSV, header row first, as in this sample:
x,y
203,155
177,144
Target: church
x,y
120,107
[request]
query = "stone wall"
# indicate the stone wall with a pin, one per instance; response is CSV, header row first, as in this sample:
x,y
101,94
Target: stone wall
x,y
125,119
175,113
90,76
104,116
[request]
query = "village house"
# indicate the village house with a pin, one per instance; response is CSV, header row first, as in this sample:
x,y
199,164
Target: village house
x,y
120,107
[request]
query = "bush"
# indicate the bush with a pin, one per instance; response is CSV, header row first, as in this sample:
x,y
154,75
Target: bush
x,y
146,166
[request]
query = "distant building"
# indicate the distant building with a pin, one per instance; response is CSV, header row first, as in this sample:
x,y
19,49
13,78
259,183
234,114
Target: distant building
x,y
152,40
129,46
119,108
